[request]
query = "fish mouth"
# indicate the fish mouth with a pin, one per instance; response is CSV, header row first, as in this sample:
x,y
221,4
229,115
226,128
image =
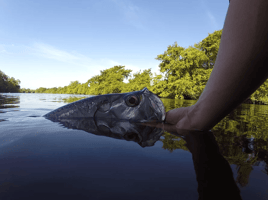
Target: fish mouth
x,y
158,106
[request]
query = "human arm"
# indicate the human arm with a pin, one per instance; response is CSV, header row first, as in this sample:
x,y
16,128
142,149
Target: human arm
x,y
241,67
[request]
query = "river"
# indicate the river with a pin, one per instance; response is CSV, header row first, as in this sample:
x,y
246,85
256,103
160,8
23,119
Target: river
x,y
41,159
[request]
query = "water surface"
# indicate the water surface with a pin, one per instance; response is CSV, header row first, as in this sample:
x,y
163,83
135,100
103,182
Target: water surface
x,y
44,159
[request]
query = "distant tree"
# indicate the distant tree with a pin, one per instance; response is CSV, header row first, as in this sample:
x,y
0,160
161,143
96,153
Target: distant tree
x,y
73,87
83,88
8,84
182,68
3,82
26,90
40,90
139,81
210,45
159,85
109,81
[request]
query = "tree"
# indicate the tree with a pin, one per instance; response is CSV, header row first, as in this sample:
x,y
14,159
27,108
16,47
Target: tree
x,y
109,81
26,90
83,88
181,67
139,81
40,90
8,84
73,87
210,45
159,85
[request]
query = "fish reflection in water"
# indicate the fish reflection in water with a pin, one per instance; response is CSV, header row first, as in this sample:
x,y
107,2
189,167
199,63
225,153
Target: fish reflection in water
x,y
213,172
118,129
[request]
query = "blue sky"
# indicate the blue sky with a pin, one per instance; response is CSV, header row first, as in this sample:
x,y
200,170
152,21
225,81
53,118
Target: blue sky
x,y
48,43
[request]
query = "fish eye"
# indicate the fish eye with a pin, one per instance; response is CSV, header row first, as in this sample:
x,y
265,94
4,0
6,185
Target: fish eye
x,y
132,101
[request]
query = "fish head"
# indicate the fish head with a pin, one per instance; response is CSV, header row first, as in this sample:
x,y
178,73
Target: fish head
x,y
138,106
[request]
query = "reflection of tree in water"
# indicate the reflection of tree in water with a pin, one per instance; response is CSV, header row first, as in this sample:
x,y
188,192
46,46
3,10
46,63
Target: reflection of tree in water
x,y
243,174
8,101
263,156
244,152
73,99
244,168
240,150
172,142
233,135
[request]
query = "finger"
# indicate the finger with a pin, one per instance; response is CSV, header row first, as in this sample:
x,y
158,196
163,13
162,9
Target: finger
x,y
175,115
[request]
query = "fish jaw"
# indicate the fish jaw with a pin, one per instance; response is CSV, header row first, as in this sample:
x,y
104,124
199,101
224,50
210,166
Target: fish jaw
x,y
154,107
158,106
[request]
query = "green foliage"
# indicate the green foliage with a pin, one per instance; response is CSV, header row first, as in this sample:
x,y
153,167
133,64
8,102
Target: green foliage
x,y
83,88
184,73
139,81
187,70
159,84
40,90
8,84
261,94
109,81
73,87
72,99
24,90
210,45
172,142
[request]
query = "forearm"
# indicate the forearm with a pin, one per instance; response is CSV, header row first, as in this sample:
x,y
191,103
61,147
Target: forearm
x,y
241,65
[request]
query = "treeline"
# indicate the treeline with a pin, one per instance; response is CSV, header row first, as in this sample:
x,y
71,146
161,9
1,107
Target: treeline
x,y
26,90
184,74
8,84
109,81
12,85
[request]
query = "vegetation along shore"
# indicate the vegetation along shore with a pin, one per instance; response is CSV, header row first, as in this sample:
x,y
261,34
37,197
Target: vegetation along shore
x,y
184,73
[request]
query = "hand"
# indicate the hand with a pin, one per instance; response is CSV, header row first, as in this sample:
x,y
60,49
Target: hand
x,y
180,117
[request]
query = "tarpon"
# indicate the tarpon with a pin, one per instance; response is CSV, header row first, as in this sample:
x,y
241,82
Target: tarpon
x,y
137,106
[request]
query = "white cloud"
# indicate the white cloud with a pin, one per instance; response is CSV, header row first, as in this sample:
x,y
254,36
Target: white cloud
x,y
212,20
76,66
4,49
51,52
133,14
13,50
54,53
210,15
91,66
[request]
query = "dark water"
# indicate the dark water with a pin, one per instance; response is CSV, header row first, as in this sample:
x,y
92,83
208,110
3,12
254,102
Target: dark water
x,y
40,159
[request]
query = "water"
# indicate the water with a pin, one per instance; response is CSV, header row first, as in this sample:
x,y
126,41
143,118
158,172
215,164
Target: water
x,y
40,159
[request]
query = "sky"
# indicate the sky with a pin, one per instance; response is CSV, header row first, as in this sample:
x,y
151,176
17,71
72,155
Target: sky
x,y
49,43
